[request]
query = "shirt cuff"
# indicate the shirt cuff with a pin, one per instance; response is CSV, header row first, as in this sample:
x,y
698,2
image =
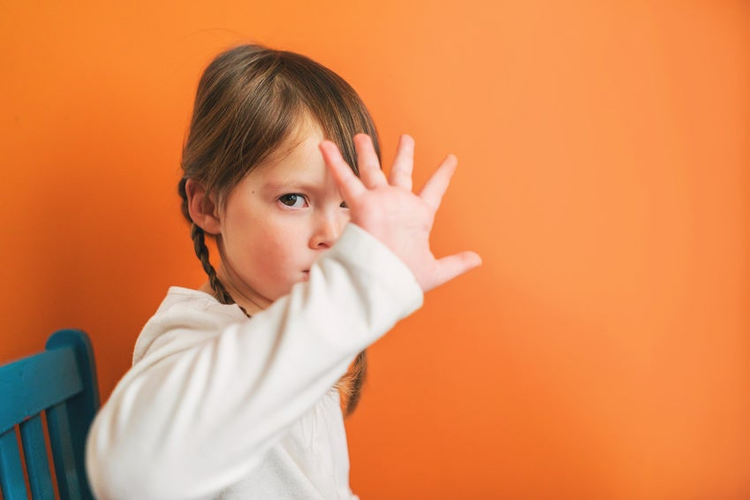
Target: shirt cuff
x,y
367,254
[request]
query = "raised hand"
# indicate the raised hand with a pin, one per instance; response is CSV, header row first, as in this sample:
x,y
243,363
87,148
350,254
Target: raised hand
x,y
387,208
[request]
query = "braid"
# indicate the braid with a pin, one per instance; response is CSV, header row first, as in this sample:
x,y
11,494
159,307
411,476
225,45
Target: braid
x,y
201,250
350,385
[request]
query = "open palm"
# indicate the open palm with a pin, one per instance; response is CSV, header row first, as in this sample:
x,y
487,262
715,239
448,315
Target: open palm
x,y
389,210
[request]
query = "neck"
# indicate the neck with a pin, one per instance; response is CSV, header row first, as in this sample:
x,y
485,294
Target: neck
x,y
250,305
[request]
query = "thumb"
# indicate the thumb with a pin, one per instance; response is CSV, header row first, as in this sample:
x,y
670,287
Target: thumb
x,y
451,267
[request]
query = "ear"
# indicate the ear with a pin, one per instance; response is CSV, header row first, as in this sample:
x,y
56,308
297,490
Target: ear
x,y
203,210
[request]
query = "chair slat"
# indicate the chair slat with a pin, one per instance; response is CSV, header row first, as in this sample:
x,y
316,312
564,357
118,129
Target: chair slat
x,y
12,482
62,452
35,453
60,381
26,383
81,408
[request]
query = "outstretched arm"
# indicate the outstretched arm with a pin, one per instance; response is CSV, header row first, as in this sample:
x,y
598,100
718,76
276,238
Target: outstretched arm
x,y
389,210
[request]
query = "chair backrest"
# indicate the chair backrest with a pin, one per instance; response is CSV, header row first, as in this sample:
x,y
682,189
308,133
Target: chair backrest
x,y
58,385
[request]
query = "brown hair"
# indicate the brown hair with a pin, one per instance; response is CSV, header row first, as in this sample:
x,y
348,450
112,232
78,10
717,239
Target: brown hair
x,y
250,100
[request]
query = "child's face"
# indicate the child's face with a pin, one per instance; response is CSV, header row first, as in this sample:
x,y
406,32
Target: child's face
x,y
277,221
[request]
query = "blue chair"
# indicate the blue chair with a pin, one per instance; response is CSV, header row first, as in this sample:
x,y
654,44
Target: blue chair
x,y
61,384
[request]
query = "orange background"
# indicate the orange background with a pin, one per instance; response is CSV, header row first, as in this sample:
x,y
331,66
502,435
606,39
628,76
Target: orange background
x,y
601,352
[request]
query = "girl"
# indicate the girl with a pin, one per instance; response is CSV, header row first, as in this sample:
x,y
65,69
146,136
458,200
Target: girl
x,y
237,388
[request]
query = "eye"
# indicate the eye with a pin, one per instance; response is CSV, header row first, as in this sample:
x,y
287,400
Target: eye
x,y
293,200
344,205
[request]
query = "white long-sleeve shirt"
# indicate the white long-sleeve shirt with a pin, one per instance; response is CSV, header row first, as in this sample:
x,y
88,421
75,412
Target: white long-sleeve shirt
x,y
219,406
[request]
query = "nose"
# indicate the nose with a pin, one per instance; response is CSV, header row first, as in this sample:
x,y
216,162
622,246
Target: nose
x,y
327,227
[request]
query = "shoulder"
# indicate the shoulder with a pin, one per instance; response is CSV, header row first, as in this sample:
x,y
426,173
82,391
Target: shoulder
x,y
184,317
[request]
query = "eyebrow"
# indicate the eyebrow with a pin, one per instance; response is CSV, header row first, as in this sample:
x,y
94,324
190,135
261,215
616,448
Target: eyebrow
x,y
293,185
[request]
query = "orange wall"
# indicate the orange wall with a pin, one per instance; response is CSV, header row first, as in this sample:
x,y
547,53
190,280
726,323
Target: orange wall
x,y
601,352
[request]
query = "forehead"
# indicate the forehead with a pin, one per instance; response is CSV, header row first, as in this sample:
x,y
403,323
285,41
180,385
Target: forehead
x,y
297,155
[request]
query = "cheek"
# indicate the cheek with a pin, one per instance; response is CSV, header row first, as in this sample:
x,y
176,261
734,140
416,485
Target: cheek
x,y
277,248
281,236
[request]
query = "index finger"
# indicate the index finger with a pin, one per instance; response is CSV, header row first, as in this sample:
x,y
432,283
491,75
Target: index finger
x,y
349,184
433,190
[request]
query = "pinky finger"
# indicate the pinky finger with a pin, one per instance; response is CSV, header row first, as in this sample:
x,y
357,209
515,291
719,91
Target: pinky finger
x,y
349,184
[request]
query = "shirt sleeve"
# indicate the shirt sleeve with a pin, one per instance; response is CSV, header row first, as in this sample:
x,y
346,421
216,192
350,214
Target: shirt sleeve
x,y
204,404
